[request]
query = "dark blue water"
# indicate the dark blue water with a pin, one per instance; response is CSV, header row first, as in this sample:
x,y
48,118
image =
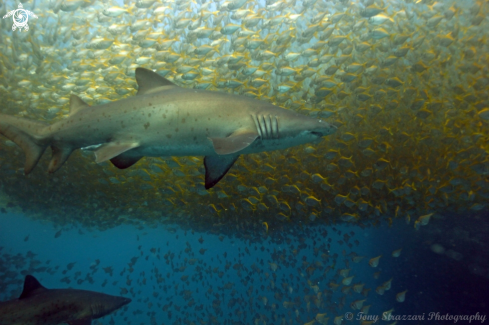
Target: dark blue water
x,y
176,276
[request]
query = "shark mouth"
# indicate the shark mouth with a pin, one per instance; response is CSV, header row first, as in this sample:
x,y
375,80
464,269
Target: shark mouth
x,y
316,133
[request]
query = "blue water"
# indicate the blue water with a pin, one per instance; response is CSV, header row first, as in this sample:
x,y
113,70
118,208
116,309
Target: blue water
x,y
435,283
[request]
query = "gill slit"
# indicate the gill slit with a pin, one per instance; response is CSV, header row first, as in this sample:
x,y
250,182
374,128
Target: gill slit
x,y
257,124
266,126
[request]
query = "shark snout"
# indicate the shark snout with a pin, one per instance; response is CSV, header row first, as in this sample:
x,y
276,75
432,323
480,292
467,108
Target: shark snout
x,y
332,128
125,301
323,129
120,301
106,304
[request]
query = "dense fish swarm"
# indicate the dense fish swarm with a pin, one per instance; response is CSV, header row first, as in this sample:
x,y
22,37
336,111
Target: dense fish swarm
x,y
406,82
190,278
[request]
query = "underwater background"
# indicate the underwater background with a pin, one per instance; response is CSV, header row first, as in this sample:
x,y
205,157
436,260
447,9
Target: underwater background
x,y
303,235
179,276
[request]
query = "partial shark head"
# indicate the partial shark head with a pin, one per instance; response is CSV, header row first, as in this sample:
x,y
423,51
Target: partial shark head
x,y
286,128
102,304
303,128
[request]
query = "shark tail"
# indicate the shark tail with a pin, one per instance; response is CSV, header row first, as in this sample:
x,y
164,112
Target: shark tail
x,y
26,134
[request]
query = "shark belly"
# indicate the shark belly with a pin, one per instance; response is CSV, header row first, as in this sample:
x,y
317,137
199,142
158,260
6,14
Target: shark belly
x,y
39,310
173,150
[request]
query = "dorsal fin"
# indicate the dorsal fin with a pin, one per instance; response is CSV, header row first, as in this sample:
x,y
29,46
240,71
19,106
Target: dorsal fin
x,y
149,81
76,103
31,287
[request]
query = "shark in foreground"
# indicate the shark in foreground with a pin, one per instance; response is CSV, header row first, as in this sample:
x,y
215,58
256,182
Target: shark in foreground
x,y
164,119
38,306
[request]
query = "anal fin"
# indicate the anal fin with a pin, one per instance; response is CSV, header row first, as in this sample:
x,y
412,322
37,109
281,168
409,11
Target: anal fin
x,y
216,167
59,157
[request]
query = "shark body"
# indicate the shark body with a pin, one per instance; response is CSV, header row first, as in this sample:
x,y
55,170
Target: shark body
x,y
38,306
165,120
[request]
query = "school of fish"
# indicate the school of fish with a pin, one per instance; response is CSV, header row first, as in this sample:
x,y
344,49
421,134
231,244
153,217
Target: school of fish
x,y
303,276
405,82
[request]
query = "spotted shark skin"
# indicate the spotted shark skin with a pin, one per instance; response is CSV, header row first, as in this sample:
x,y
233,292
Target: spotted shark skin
x,y
163,120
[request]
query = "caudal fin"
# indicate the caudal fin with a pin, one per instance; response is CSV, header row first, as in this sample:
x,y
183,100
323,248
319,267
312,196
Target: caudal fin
x,y
27,135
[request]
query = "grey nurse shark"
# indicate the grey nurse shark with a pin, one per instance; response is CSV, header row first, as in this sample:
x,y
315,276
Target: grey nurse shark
x,y
164,119
40,306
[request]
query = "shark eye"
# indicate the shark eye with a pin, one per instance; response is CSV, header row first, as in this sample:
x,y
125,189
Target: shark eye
x,y
319,134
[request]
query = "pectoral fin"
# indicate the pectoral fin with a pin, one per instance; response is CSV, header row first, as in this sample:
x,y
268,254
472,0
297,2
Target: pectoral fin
x,y
233,143
83,321
113,149
216,167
